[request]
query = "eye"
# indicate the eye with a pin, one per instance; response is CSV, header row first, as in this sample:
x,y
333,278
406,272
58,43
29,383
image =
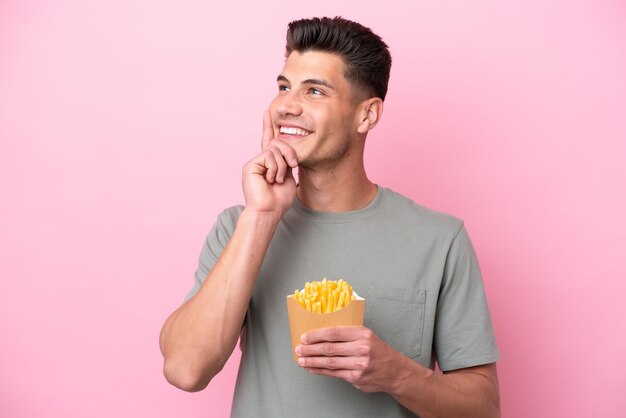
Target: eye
x,y
316,92
282,87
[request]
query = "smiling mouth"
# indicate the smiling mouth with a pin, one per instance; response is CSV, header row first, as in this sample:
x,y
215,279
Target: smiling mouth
x,y
290,130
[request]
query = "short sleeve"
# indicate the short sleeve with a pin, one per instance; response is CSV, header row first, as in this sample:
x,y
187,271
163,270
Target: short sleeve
x,y
214,244
464,334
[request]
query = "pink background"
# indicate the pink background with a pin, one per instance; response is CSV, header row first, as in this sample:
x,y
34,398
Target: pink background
x,y
124,126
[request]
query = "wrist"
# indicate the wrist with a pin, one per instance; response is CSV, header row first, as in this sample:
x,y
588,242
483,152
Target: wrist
x,y
261,218
409,376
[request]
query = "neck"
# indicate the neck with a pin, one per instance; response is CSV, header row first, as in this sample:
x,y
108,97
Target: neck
x,y
341,188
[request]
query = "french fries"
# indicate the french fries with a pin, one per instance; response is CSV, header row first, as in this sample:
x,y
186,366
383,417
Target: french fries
x,y
324,296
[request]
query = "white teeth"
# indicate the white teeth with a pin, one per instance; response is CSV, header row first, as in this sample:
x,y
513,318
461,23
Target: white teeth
x,y
293,131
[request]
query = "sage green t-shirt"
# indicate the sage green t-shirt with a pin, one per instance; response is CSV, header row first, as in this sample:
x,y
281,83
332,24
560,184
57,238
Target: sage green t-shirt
x,y
416,270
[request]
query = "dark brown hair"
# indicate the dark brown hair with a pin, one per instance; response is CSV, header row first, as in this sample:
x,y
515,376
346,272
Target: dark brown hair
x,y
364,53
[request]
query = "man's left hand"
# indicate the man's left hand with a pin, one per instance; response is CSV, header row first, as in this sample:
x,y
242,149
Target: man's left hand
x,y
354,354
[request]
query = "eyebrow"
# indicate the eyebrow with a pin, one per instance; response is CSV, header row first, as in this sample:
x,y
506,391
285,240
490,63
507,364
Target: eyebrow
x,y
308,81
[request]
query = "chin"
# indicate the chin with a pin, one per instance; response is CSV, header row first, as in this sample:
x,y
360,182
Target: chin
x,y
305,159
323,160
308,159
305,162
314,164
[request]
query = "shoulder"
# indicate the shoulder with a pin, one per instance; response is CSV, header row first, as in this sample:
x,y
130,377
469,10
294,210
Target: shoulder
x,y
225,223
230,215
400,207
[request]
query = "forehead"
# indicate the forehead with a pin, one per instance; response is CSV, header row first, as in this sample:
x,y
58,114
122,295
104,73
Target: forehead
x,y
315,65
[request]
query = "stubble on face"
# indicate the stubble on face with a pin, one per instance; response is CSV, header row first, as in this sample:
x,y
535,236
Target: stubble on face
x,y
328,117
317,162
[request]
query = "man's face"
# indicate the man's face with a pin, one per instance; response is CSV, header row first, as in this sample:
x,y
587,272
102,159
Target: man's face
x,y
314,110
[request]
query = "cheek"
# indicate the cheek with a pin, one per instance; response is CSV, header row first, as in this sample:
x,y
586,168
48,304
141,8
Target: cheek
x,y
329,119
341,125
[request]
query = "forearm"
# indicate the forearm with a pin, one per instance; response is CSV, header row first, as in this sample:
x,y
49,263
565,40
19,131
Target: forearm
x,y
471,392
198,338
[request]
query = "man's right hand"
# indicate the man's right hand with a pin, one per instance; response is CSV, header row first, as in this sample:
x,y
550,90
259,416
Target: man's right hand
x,y
268,182
199,337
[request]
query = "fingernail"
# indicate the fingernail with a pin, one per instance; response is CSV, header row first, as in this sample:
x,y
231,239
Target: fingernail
x,y
303,338
300,361
299,350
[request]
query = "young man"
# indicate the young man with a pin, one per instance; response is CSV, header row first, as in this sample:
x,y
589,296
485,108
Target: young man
x,y
416,268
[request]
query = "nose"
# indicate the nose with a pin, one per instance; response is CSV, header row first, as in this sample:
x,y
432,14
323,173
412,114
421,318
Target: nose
x,y
289,104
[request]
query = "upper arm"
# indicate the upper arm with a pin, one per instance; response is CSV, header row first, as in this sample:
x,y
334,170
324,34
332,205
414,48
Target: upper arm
x,y
483,377
214,245
463,334
488,371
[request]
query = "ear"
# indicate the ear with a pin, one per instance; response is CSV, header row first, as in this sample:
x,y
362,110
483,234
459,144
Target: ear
x,y
370,113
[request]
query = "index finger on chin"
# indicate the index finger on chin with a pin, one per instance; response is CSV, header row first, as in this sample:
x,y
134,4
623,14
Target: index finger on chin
x,y
268,130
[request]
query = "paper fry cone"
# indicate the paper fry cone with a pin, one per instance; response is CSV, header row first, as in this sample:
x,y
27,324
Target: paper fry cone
x,y
301,320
